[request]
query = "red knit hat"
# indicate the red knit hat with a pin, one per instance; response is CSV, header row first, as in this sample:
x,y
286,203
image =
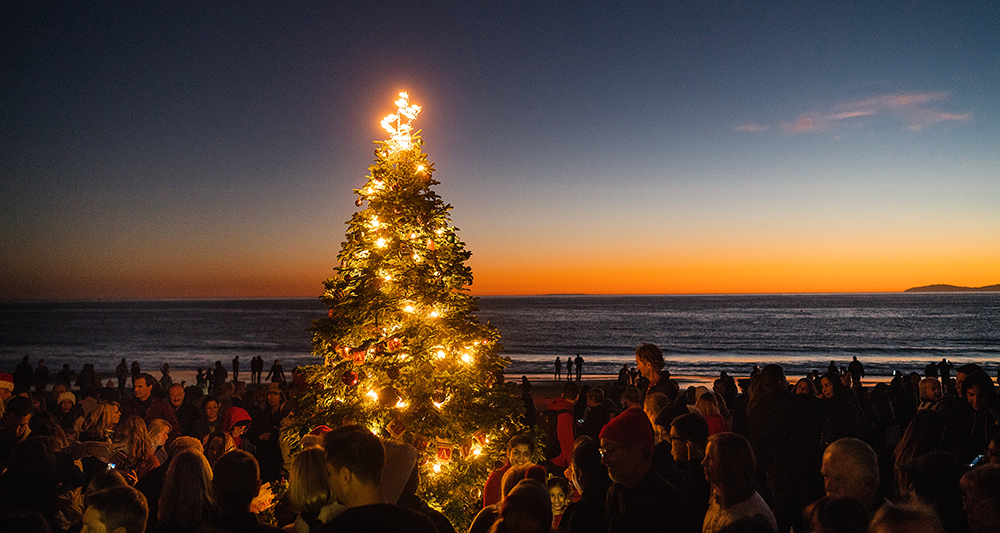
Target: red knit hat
x,y
631,428
6,381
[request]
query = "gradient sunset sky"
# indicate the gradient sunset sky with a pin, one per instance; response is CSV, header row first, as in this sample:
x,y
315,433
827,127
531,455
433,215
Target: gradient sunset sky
x,y
150,150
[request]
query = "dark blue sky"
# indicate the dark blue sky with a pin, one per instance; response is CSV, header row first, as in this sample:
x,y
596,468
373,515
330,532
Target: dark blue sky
x,y
153,150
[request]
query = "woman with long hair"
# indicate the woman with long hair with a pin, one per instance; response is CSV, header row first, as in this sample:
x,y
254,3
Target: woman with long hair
x,y
708,405
100,423
729,469
186,503
309,491
136,457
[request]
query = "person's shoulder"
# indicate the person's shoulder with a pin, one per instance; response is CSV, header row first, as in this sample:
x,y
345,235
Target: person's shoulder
x,y
380,517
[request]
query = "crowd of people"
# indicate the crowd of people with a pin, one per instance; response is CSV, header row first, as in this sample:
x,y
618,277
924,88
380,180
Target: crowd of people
x,y
825,454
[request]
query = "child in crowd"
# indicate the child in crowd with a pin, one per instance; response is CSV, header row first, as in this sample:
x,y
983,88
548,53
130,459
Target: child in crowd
x,y
931,396
559,494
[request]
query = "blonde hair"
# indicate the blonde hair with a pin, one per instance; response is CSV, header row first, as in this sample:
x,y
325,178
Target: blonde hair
x,y
98,422
708,404
187,501
309,488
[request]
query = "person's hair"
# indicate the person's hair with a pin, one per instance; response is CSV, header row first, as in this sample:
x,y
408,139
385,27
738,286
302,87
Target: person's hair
x,y
692,427
120,506
862,454
968,368
357,449
228,445
187,501
771,377
810,386
935,480
708,404
925,433
561,482
632,394
309,488
208,398
138,447
157,426
147,378
737,464
518,473
984,482
596,395
570,391
177,386
651,354
236,481
184,442
587,463
519,439
526,509
102,480
655,402
98,422
903,517
839,514
986,388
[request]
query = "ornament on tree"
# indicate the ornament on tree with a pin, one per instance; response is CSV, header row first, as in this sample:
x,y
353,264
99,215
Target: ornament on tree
x,y
350,378
392,373
360,201
388,396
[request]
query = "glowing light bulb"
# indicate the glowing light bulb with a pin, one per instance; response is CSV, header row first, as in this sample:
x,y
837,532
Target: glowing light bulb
x,y
439,231
375,223
378,184
441,354
399,133
372,394
401,404
381,242
434,314
409,309
476,450
413,235
466,358
416,257
420,168
437,468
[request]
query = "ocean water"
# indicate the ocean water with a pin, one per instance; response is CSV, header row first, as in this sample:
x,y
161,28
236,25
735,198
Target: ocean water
x,y
700,335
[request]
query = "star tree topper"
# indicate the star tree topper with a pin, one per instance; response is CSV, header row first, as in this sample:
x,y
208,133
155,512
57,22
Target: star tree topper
x,y
399,133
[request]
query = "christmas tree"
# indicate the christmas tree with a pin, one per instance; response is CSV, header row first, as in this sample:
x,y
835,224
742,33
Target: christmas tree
x,y
404,353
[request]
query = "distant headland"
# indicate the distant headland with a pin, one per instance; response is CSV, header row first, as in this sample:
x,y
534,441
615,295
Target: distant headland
x,y
954,288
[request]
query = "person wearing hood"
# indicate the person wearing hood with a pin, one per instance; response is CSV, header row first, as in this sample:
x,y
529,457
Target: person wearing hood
x,y
235,424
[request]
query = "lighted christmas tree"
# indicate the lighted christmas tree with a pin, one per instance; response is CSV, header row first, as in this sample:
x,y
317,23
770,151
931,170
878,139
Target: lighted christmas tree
x,y
404,353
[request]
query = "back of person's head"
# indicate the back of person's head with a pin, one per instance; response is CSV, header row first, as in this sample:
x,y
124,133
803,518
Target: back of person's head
x,y
924,434
309,488
518,473
596,395
737,465
236,481
357,449
838,514
861,454
692,427
526,509
120,507
104,479
654,403
183,443
632,395
934,478
570,391
772,377
981,492
187,490
587,465
708,404
651,354
905,518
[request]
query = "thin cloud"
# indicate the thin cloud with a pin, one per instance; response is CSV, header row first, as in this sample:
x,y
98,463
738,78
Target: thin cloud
x,y
751,128
912,109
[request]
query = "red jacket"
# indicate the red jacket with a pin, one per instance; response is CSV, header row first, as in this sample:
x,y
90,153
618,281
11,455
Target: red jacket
x,y
565,430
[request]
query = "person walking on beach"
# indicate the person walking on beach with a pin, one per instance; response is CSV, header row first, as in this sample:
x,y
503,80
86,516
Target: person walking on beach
x,y
558,371
236,368
857,371
579,367
277,374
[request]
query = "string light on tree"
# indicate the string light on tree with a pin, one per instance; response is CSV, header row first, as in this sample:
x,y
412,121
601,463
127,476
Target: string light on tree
x,y
404,353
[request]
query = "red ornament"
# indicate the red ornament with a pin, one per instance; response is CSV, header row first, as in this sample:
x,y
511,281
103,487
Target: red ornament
x,y
360,201
350,378
393,344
